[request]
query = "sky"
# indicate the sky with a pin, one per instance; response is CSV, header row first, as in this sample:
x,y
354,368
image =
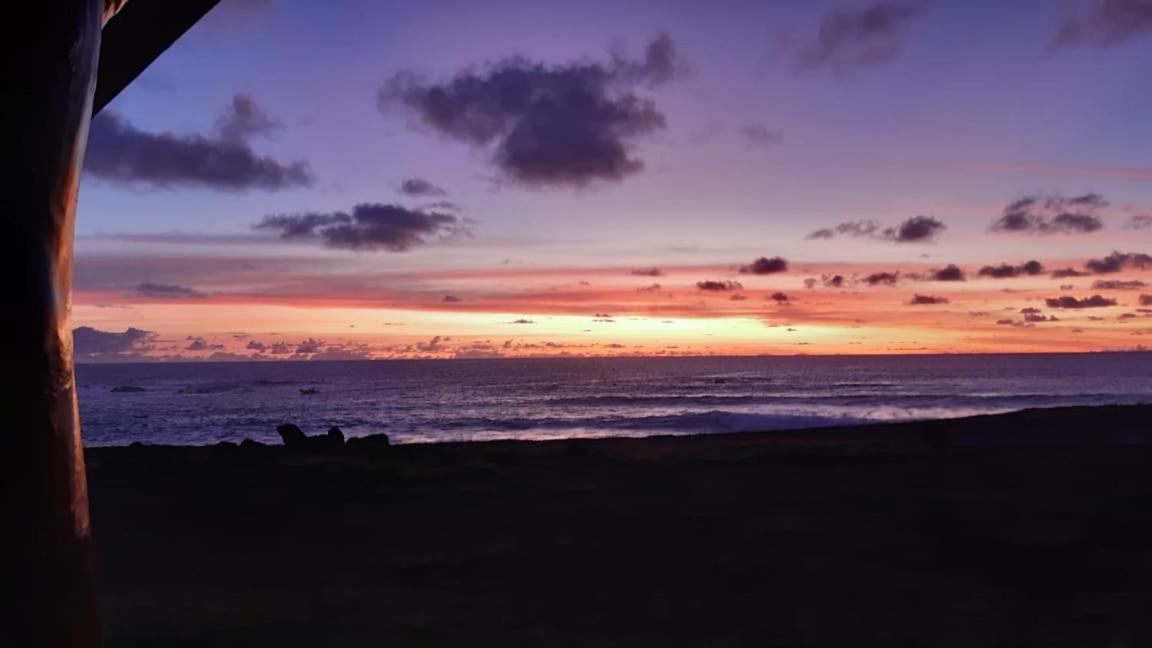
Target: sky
x,y
453,179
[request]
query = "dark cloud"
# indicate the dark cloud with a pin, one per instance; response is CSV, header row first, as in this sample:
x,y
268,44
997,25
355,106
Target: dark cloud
x,y
648,272
917,229
737,298
243,120
761,136
420,187
118,152
1108,23
1118,261
951,272
832,281
882,279
1146,300
522,321
927,300
1117,284
370,226
451,299
200,344
857,229
567,125
857,38
1095,301
719,286
764,265
1006,271
168,291
1052,215
309,346
1140,222
779,298
88,342
1065,273
258,347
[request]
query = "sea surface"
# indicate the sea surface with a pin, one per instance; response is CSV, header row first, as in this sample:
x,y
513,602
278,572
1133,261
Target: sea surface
x,y
454,400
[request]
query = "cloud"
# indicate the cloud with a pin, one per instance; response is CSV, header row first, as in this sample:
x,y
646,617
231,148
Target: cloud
x,y
1052,215
118,152
1095,301
859,229
761,136
566,125
1115,284
927,300
779,298
258,347
167,291
1005,271
918,229
370,226
1110,22
858,38
1140,222
719,286
648,272
200,344
88,342
832,281
882,278
309,346
1065,273
764,265
951,272
915,230
420,187
522,321
451,299
243,120
1118,261
1146,300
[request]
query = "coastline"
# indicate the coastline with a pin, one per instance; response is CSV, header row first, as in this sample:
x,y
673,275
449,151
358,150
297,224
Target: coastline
x,y
1028,528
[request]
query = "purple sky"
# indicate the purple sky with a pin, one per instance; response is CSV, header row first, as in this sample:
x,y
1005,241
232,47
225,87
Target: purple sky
x,y
766,122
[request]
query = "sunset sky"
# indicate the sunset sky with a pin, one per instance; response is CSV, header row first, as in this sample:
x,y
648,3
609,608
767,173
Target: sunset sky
x,y
372,179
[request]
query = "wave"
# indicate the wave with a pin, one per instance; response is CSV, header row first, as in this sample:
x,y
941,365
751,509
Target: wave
x,y
911,399
710,421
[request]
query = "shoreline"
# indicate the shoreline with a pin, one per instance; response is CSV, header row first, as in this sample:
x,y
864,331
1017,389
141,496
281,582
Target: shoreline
x,y
912,534
1031,426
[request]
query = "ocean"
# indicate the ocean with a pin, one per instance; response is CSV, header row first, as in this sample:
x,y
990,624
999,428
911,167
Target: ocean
x,y
458,400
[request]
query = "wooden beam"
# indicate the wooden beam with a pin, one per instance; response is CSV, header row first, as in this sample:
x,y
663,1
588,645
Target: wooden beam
x,y
138,35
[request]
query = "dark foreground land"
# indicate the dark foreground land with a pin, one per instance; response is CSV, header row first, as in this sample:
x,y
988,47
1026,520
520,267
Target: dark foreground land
x,y
963,533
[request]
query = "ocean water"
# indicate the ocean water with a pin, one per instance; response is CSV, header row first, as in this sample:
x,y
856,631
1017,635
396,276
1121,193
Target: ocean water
x,y
454,400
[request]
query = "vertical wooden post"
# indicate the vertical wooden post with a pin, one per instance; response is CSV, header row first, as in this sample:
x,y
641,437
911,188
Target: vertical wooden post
x,y
46,570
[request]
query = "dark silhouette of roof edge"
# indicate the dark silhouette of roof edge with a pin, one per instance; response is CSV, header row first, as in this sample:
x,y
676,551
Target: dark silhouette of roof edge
x,y
141,32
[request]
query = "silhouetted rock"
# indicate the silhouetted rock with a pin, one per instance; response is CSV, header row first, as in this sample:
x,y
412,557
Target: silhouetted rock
x,y
294,438
225,445
127,389
369,442
292,435
249,444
